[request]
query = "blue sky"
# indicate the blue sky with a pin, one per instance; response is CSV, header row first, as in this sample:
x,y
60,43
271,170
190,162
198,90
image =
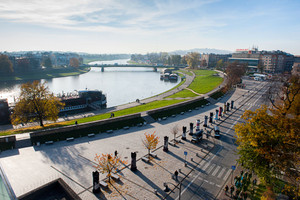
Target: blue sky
x,y
133,26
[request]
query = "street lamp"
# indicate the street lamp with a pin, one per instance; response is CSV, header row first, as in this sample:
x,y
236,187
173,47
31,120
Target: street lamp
x,y
167,189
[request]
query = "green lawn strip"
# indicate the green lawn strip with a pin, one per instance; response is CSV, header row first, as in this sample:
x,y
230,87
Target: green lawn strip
x,y
204,84
183,94
204,72
136,109
46,74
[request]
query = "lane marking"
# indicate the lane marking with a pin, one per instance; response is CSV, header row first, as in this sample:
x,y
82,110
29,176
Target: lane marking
x,y
211,167
227,174
221,173
216,170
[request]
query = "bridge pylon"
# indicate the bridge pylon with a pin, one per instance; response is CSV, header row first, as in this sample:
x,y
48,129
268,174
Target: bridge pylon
x,y
102,69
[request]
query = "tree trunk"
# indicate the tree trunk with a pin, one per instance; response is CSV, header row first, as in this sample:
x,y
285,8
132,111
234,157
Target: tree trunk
x,y
41,122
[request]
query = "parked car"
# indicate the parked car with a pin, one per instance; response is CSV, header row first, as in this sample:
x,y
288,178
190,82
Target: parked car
x,y
197,136
217,132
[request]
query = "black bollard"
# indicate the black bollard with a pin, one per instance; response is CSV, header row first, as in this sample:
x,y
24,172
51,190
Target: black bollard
x,y
191,129
133,161
211,117
205,121
96,187
166,149
228,106
232,102
183,133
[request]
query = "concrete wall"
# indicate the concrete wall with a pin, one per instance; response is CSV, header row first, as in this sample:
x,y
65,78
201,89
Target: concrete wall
x,y
83,125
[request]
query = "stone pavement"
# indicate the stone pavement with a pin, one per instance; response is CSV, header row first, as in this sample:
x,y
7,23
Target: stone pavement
x,y
31,167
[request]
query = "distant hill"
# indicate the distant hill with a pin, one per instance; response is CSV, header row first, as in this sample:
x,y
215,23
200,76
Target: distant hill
x,y
206,50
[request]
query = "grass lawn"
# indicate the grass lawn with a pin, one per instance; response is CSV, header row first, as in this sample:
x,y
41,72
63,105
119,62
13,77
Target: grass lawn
x,y
46,74
137,109
183,94
204,72
204,84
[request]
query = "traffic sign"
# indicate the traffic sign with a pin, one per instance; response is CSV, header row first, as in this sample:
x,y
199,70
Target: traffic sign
x,y
233,167
185,153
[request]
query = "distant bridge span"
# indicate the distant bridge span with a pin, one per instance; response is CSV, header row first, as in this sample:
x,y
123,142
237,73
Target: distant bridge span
x,y
147,66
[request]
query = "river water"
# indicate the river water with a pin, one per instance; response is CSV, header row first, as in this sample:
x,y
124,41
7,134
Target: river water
x,y
121,85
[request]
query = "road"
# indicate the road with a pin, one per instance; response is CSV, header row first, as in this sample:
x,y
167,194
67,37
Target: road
x,y
209,178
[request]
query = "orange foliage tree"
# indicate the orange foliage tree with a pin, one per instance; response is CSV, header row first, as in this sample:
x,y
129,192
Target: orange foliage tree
x,y
107,163
150,141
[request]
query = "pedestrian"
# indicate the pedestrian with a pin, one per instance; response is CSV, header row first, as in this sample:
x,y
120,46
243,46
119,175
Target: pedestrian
x,y
226,189
242,172
76,122
116,153
254,181
231,190
245,195
176,175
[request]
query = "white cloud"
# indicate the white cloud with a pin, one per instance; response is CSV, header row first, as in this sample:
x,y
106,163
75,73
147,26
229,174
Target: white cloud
x,y
128,16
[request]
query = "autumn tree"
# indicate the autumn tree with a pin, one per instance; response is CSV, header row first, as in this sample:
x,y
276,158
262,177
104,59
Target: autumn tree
x,y
107,163
150,141
5,64
234,72
193,59
74,62
36,103
175,60
268,140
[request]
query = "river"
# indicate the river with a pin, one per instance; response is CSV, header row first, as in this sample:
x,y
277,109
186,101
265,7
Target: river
x,y
121,85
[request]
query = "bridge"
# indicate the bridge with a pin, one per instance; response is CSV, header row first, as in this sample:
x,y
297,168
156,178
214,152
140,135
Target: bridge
x,y
129,65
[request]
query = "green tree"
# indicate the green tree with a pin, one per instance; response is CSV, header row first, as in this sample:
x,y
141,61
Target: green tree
x,y
193,59
175,60
220,65
5,64
47,62
36,103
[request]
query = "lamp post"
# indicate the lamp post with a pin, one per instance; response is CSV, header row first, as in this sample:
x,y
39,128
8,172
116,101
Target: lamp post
x,y
167,189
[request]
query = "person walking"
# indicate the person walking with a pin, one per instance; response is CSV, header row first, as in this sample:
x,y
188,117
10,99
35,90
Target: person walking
x,y
226,189
231,190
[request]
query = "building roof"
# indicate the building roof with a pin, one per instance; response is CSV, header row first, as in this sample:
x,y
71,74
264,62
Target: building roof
x,y
243,59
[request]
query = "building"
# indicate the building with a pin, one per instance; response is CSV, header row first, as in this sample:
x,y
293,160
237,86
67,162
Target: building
x,y
272,61
212,59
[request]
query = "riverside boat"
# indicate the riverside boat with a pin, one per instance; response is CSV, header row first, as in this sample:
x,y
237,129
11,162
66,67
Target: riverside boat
x,y
93,99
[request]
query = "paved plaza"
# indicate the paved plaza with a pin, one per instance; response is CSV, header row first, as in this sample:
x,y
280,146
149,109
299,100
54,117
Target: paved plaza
x,y
73,161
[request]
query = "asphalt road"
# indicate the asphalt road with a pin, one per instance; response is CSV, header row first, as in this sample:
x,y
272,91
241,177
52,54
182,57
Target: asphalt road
x,y
209,178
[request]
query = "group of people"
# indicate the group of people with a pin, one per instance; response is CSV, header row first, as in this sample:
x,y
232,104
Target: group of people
x,y
241,183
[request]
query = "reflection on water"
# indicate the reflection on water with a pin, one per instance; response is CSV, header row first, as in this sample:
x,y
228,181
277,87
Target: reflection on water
x,y
121,85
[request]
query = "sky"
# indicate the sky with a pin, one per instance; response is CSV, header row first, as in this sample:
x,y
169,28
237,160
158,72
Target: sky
x,y
142,26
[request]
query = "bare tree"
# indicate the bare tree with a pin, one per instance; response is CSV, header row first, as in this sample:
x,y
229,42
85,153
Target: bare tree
x,y
174,131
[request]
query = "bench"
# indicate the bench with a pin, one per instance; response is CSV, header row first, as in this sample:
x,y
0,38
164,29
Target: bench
x,y
70,139
91,135
109,131
49,142
190,110
126,127
153,155
103,184
182,113
164,118
145,159
115,176
140,124
173,115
